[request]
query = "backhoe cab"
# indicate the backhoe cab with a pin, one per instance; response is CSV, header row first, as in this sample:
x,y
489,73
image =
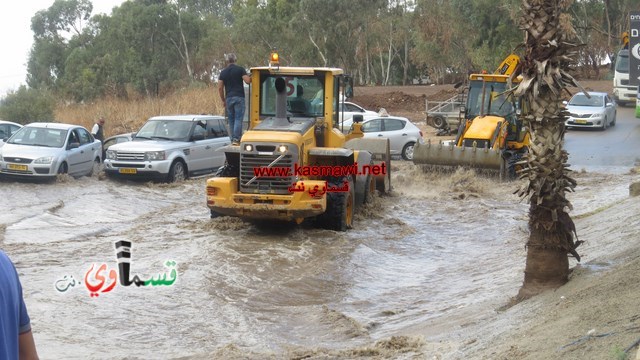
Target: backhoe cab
x,y
293,163
490,135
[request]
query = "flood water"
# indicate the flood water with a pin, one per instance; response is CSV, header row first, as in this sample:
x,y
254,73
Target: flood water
x,y
440,253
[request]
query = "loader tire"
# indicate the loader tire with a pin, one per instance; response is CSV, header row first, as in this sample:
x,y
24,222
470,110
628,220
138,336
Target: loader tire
x,y
340,205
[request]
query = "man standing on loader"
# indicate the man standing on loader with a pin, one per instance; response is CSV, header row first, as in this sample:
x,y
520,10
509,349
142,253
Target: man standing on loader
x,y
231,90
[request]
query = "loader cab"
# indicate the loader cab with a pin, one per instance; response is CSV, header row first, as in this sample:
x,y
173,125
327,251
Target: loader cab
x,y
312,94
487,97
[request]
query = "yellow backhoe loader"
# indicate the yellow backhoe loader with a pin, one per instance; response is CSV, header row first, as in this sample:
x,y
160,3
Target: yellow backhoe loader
x,y
294,163
490,135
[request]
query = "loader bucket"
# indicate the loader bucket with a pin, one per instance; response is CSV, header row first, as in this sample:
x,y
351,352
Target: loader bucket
x,y
451,155
381,153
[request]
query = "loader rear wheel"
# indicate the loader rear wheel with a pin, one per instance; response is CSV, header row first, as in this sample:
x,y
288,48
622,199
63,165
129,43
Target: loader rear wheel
x,y
340,205
370,189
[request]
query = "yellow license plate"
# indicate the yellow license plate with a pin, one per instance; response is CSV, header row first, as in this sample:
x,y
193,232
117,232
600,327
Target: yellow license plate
x,y
580,121
128,171
17,167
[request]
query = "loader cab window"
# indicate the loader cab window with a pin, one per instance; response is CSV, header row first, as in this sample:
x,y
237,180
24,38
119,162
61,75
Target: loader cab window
x,y
304,95
489,99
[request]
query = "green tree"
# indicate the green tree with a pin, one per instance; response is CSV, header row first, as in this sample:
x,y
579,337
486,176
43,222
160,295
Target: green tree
x,y
27,105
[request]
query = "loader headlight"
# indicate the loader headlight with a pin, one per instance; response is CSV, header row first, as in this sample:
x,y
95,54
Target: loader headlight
x,y
283,148
248,148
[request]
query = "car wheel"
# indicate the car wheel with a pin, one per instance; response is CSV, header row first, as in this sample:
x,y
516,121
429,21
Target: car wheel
x,y
177,172
613,123
407,151
63,169
95,169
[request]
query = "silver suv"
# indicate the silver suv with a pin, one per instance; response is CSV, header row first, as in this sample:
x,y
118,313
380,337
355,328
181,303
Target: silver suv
x,y
171,148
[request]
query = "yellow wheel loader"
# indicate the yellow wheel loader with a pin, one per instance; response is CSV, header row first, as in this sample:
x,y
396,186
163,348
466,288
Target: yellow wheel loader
x,y
490,135
293,163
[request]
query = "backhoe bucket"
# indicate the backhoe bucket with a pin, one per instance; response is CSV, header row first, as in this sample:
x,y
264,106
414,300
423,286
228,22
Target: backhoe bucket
x,y
380,150
451,155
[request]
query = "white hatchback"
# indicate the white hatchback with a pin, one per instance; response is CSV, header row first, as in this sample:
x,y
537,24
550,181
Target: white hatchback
x,y
400,131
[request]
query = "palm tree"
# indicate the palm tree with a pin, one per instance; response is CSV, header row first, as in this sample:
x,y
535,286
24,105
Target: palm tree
x,y
544,71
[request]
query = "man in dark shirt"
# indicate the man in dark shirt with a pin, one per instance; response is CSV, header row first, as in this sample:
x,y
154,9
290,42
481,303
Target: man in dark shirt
x,y
16,339
231,90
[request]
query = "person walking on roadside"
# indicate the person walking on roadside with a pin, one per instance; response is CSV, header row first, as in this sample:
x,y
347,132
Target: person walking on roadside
x,y
16,338
97,131
231,90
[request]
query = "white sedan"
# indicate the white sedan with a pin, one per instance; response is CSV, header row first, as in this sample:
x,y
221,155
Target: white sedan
x,y
596,111
48,149
400,131
345,121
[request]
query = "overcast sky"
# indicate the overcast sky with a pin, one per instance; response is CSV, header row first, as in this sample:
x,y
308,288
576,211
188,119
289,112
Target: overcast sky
x,y
17,38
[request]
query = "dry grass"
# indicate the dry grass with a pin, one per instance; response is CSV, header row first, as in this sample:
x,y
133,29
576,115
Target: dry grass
x,y
124,116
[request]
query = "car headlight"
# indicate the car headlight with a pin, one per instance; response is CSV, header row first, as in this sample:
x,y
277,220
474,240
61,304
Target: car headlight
x,y
154,155
596,115
44,160
111,154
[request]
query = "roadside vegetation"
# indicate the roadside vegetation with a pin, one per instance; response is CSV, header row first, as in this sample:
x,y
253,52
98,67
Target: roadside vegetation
x,y
147,50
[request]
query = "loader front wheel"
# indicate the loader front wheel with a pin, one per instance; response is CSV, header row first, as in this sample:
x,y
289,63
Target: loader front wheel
x,y
340,205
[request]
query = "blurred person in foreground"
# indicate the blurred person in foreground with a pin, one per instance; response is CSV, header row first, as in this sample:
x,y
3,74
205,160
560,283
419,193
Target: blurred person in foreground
x,y
16,338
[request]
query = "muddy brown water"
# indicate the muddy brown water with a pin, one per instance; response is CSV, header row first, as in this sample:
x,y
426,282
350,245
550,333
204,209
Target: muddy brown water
x,y
440,253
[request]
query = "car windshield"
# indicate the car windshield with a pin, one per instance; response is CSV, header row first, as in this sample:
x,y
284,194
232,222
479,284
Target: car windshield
x,y
583,100
176,130
37,136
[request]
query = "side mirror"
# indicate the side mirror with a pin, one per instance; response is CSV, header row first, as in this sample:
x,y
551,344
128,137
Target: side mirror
x,y
357,118
609,104
74,145
564,102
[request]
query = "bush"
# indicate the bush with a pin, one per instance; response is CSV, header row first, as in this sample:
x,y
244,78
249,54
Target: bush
x,y
27,105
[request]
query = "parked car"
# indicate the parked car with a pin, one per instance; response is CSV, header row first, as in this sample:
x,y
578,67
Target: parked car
x,y
116,139
402,133
351,109
170,148
596,111
7,128
48,149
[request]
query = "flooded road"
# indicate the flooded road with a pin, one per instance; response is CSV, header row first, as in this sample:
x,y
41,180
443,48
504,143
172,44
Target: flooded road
x,y
259,288
441,253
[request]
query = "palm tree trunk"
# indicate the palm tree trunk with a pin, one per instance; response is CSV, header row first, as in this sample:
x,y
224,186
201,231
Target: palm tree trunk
x,y
545,77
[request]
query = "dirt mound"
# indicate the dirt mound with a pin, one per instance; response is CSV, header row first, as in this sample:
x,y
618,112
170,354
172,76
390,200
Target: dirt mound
x,y
393,101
